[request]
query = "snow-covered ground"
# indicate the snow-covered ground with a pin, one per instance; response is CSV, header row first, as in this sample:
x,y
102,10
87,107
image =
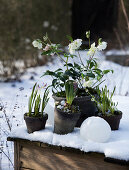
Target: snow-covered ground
x,y
14,98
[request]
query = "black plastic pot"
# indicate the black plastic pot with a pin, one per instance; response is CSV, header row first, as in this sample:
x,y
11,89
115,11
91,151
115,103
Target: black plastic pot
x,y
64,122
35,123
113,120
86,106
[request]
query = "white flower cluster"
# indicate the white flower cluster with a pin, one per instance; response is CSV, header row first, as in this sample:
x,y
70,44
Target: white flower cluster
x,y
37,44
102,46
93,49
88,83
75,45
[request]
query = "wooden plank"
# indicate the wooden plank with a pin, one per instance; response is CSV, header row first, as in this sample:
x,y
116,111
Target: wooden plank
x,y
16,155
24,141
40,148
45,158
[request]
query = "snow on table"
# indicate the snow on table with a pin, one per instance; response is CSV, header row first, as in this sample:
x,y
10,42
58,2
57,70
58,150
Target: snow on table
x,y
117,147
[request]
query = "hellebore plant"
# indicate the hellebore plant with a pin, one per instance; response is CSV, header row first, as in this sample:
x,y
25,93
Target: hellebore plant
x,y
87,75
37,104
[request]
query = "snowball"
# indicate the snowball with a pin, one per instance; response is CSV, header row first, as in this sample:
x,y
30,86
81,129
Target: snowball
x,y
95,129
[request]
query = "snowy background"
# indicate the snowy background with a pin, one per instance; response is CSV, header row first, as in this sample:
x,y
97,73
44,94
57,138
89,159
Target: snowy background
x,y
14,103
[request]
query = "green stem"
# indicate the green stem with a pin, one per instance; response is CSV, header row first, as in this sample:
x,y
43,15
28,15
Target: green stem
x,y
60,57
80,58
90,61
89,42
67,63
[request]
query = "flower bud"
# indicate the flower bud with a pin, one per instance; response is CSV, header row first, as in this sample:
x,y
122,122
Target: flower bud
x,y
88,34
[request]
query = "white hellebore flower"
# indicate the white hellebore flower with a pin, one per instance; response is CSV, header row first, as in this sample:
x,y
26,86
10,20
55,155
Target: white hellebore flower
x,y
102,46
92,50
37,44
75,45
88,83
71,50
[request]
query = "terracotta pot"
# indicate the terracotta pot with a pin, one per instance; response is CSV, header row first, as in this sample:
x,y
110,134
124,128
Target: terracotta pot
x,y
35,123
64,122
86,106
113,120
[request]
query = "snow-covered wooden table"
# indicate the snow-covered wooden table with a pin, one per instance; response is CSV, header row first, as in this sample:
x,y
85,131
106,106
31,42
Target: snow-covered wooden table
x,y
39,156
46,150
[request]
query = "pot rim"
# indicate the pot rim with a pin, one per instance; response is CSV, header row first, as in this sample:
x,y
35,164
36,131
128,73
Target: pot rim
x,y
54,96
80,97
45,115
68,113
115,115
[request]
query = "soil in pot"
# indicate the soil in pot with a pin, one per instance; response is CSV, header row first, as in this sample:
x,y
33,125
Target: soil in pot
x,y
35,123
113,120
64,122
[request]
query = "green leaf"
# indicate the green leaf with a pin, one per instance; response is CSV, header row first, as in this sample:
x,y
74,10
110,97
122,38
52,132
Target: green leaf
x,y
58,70
66,55
62,84
107,71
91,64
31,99
69,38
50,73
77,66
99,40
69,64
99,77
97,70
54,82
45,99
82,75
90,75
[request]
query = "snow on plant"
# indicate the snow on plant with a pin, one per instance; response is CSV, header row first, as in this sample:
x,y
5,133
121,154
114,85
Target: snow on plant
x,y
36,103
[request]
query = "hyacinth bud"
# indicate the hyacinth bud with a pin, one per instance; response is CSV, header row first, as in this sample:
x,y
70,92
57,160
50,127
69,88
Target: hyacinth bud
x,y
45,38
88,34
75,85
